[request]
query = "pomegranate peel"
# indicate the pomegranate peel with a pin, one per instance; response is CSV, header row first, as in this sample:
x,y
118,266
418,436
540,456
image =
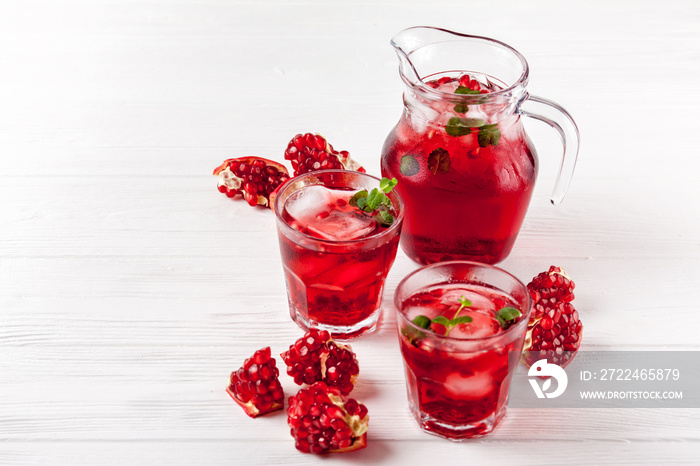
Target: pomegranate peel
x,y
316,357
321,420
254,178
255,385
555,330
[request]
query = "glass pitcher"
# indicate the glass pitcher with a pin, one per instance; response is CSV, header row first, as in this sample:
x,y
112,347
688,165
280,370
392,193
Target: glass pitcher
x,y
466,168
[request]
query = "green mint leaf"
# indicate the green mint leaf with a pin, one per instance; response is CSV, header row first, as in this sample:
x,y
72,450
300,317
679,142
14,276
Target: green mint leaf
x,y
376,202
442,320
495,137
450,324
460,320
463,302
356,197
384,218
412,335
461,108
473,122
507,316
456,127
466,90
386,185
439,161
489,134
421,321
409,165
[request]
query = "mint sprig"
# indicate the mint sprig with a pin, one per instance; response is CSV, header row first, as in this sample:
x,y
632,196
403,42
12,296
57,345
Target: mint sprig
x,y
425,322
376,202
506,317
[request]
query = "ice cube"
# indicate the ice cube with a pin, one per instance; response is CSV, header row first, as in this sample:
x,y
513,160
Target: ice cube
x,y
307,203
315,209
483,324
342,226
474,387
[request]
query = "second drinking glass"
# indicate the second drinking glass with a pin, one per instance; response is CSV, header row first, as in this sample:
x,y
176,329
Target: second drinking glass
x,y
461,330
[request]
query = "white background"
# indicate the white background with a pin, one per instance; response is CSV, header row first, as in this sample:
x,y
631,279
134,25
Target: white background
x,y
130,288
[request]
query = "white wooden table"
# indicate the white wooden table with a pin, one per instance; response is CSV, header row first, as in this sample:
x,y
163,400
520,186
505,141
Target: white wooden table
x,y
130,288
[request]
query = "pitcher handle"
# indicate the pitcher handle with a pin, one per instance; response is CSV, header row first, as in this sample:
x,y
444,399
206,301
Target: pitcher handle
x,y
558,118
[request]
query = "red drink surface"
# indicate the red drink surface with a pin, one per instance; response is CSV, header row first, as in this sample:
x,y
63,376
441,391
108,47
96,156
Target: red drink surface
x,y
336,278
474,209
461,383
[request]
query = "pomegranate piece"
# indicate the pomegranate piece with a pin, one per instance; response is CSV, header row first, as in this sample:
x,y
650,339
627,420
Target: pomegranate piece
x,y
316,357
554,331
255,386
554,283
309,152
254,178
321,420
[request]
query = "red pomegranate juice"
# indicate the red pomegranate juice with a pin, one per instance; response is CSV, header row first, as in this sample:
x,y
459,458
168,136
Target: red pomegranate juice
x,y
458,385
336,262
466,175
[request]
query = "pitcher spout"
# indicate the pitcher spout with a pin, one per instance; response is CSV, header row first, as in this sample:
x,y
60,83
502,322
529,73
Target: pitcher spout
x,y
405,43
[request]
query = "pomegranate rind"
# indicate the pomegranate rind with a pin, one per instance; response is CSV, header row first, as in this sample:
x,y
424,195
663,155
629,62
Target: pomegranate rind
x,y
250,409
232,185
273,194
349,163
250,159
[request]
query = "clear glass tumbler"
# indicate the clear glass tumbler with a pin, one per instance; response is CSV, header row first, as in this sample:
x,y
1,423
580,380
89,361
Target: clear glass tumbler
x,y
335,257
458,377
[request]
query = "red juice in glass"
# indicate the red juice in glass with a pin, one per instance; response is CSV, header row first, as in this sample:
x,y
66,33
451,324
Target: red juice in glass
x,y
335,256
467,173
458,376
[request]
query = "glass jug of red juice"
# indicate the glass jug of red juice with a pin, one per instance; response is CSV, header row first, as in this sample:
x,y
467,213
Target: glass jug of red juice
x,y
466,168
